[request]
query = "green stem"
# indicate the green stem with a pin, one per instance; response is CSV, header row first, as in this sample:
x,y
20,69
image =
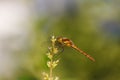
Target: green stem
x,y
51,61
51,70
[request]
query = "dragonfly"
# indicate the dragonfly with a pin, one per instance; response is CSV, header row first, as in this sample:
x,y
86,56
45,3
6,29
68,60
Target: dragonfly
x,y
67,42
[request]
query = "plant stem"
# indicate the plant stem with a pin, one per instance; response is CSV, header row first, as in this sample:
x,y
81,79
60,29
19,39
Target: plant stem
x,y
51,70
51,60
51,63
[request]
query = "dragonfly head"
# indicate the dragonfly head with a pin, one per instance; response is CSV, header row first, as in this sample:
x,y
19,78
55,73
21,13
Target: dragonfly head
x,y
60,39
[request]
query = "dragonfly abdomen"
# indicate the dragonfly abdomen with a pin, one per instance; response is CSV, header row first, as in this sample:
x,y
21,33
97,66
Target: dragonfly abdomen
x,y
84,53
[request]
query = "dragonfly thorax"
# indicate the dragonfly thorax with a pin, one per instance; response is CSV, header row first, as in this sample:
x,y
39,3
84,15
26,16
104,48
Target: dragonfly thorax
x,y
65,41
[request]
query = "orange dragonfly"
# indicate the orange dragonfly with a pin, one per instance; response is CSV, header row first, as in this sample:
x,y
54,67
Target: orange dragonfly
x,y
67,42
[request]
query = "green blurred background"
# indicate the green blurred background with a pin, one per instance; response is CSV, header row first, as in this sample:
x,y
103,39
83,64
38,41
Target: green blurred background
x,y
94,26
